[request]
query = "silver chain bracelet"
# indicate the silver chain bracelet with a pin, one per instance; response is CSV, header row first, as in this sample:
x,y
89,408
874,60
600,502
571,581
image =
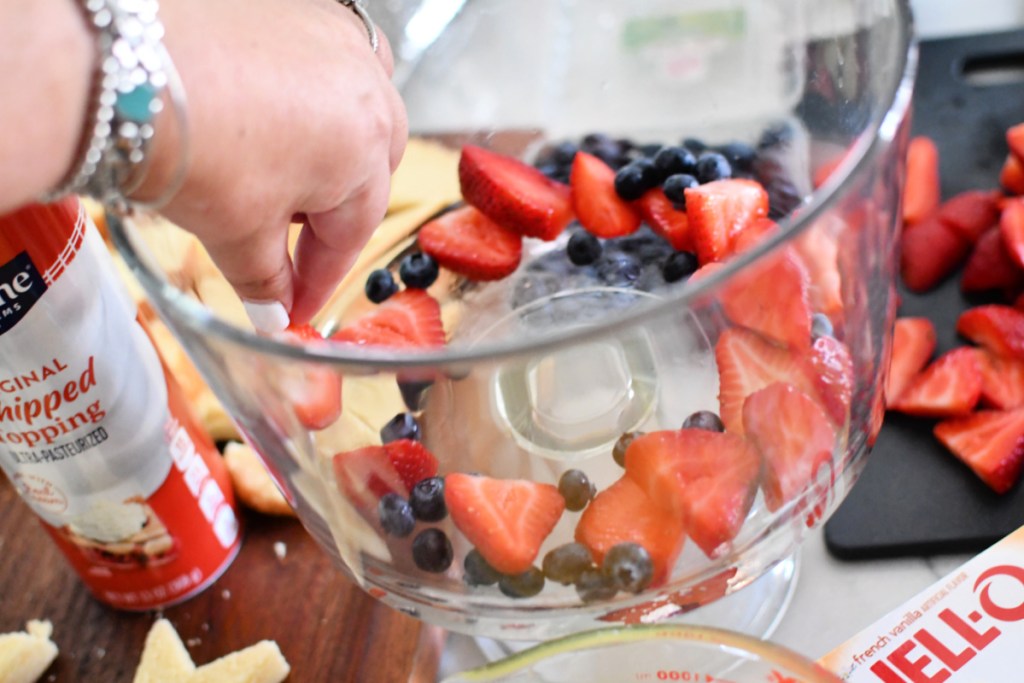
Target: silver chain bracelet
x,y
360,11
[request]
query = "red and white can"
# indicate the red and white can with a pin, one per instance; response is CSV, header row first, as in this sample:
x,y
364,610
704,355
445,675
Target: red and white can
x,y
94,432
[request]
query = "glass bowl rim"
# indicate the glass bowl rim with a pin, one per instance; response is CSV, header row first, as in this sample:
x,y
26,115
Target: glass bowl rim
x,y
766,651
880,130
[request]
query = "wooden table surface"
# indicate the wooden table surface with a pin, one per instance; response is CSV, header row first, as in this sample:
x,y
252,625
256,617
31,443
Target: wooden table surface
x,y
327,628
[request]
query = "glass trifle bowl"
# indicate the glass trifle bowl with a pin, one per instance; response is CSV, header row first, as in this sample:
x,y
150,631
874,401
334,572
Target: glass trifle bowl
x,y
595,435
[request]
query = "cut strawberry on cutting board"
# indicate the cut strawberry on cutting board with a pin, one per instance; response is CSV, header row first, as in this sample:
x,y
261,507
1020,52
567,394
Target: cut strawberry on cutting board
x,y
929,252
795,437
597,205
719,211
469,243
410,318
771,297
990,267
1011,226
709,479
949,387
990,442
513,194
921,192
1002,380
995,327
1011,177
506,520
747,362
970,213
316,397
624,513
913,344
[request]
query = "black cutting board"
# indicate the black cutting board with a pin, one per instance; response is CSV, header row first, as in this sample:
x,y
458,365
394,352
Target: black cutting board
x,y
915,498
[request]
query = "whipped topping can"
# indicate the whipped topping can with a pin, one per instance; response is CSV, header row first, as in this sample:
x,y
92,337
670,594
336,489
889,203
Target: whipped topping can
x,y
95,434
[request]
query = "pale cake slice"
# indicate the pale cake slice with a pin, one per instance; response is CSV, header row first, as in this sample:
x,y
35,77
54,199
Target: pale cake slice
x,y
26,655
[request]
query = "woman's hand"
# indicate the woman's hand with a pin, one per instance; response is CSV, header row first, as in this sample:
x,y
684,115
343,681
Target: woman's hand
x,y
290,115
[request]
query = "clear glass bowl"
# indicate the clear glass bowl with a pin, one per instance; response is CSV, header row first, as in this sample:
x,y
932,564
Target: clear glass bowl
x,y
667,652
546,369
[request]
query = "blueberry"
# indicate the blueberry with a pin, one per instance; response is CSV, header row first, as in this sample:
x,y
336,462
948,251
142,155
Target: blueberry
x,y
564,153
593,586
412,392
650,149
620,447
821,326
592,141
583,248
427,500
679,265
401,426
576,488
675,187
395,515
672,160
618,269
635,178
476,571
565,563
740,155
644,244
525,585
553,171
704,419
432,551
695,145
418,270
380,285
783,197
713,166
629,567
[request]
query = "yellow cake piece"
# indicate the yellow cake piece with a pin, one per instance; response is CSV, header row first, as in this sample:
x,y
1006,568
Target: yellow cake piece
x,y
25,655
429,172
252,482
165,660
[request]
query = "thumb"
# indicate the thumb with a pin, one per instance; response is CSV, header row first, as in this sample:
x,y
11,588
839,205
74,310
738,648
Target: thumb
x,y
258,266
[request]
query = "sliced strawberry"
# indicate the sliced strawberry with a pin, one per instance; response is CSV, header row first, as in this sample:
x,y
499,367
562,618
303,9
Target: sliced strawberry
x,y
1011,227
1015,139
930,251
1002,380
949,387
990,266
366,474
1011,177
758,230
921,193
771,297
970,213
598,206
999,329
469,243
315,395
624,513
913,344
990,442
747,362
410,318
411,461
832,372
794,436
719,211
708,478
513,194
506,519
820,252
665,219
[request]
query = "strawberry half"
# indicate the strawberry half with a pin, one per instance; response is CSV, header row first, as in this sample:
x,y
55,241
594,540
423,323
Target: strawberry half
x,y
366,474
719,211
469,243
794,435
949,387
708,478
990,266
513,194
665,219
771,297
930,251
1002,380
506,519
1011,176
1011,227
921,192
913,344
747,362
411,460
970,213
624,513
758,230
1015,139
990,442
832,373
998,328
598,206
316,398
410,318
820,252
